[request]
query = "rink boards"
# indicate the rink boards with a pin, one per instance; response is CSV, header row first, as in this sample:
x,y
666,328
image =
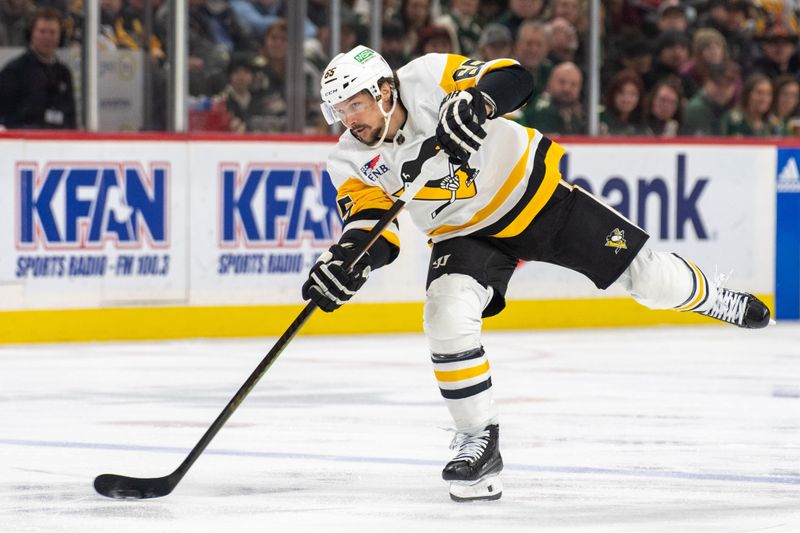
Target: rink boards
x,y
129,237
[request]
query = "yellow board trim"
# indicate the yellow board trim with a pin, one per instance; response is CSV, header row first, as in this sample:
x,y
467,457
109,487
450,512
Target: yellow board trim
x,y
450,376
148,323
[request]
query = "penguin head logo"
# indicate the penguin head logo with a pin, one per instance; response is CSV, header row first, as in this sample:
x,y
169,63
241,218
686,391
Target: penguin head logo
x,y
616,240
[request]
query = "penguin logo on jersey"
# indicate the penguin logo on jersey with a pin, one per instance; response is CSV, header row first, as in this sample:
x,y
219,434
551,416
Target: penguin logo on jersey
x,y
616,240
457,184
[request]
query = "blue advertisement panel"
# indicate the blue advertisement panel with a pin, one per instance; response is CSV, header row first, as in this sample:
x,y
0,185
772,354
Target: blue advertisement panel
x,y
91,224
787,256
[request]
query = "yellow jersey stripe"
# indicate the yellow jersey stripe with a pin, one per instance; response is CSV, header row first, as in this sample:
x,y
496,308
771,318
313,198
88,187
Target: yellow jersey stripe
x,y
392,237
517,173
363,196
701,288
465,373
447,82
454,61
552,177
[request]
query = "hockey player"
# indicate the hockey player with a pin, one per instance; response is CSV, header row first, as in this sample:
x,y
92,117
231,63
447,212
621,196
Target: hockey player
x,y
496,197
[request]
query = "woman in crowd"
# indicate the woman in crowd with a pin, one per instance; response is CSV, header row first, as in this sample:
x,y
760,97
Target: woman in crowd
x,y
752,118
785,104
434,39
623,105
708,48
664,108
415,15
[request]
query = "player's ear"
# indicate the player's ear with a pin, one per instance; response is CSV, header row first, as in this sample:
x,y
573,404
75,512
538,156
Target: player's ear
x,y
386,90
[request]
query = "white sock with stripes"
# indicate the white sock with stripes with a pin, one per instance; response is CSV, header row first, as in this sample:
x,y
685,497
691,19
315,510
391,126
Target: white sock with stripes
x,y
465,381
452,321
661,280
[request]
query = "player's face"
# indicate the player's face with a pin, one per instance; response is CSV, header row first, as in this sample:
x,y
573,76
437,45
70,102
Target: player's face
x,y
361,115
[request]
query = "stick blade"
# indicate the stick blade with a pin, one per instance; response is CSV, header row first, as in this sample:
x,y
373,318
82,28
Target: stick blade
x,y
132,488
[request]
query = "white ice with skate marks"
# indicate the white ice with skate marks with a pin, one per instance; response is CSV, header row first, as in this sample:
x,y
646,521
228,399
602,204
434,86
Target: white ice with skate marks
x,y
674,429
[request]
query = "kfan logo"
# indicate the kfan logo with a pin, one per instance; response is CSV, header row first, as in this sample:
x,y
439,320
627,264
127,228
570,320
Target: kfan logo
x,y
84,205
267,206
664,208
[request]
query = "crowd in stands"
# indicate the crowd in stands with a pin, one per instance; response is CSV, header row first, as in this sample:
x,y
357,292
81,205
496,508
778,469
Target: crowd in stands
x,y
669,67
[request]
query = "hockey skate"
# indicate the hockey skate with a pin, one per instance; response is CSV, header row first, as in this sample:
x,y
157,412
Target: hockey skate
x,y
740,309
474,473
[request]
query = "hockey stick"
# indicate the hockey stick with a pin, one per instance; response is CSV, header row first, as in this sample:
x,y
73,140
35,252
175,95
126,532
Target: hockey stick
x,y
124,487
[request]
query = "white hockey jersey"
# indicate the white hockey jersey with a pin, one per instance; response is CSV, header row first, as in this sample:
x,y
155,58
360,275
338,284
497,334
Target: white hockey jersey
x,y
506,183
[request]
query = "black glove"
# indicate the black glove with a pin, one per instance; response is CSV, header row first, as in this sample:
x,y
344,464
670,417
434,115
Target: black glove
x,y
328,284
461,116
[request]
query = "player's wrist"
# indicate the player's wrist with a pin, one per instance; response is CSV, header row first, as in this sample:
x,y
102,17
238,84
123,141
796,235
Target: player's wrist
x,y
491,106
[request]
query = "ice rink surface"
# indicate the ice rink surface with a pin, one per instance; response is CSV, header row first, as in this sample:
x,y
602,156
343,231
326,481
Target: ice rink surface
x,y
673,429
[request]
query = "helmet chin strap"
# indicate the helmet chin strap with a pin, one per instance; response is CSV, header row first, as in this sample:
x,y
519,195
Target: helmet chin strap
x,y
387,117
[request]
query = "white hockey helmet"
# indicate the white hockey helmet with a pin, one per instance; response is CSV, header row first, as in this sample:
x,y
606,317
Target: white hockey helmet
x,y
350,73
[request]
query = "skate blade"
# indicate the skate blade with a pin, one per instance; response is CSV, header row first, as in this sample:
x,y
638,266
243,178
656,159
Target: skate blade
x,y
487,488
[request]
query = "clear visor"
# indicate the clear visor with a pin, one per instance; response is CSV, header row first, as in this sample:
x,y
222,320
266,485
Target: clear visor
x,y
341,111
329,113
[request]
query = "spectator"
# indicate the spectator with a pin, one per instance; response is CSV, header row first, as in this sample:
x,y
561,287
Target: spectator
x,y
214,33
708,48
752,118
779,49
672,53
58,5
573,11
270,78
637,54
238,95
415,15
672,16
121,27
559,109
731,18
390,9
255,16
704,112
623,105
14,18
461,21
72,24
562,41
495,42
392,45
36,88
785,104
518,11
317,50
663,108
576,12
531,52
434,39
